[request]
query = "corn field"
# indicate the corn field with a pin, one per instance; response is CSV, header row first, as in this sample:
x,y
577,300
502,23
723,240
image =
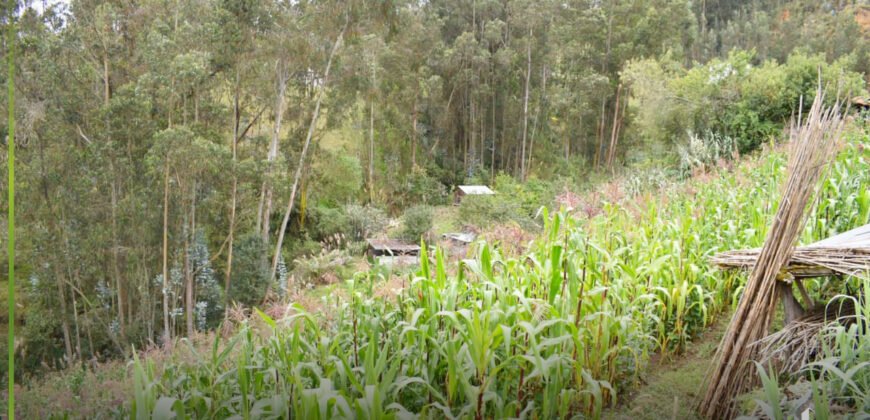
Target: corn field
x,y
560,331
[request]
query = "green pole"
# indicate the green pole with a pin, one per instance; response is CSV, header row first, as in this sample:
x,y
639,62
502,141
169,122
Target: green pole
x,y
10,83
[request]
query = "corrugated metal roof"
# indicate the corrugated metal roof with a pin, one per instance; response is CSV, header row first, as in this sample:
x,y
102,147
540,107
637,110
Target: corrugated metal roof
x,y
392,245
858,237
461,237
475,189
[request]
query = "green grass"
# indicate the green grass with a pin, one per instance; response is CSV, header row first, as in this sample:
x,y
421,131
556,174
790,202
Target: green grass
x,y
672,387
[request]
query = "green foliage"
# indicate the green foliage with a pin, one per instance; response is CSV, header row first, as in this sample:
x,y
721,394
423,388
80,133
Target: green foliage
x,y
325,267
250,276
424,188
339,178
513,201
39,332
706,150
843,368
210,295
732,98
416,222
364,221
172,109
560,331
328,221
771,404
482,210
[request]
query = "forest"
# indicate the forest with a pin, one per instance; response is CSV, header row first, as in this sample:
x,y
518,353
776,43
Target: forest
x,y
201,187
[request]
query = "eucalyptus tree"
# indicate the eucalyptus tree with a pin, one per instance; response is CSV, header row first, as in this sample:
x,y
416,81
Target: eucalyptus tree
x,y
239,24
340,17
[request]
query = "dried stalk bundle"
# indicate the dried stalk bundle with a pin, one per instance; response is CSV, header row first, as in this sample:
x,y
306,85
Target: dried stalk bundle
x,y
791,348
813,142
808,261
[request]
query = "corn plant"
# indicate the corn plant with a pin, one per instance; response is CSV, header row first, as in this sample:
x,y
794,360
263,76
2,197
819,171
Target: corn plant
x,y
559,331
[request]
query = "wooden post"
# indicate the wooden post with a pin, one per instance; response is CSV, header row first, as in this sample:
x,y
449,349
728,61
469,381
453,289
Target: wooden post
x,y
792,309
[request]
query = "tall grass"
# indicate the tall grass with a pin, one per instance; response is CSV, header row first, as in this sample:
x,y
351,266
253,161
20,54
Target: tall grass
x,y
558,332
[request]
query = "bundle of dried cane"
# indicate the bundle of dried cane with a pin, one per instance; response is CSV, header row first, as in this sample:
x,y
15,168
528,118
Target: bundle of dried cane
x,y
813,143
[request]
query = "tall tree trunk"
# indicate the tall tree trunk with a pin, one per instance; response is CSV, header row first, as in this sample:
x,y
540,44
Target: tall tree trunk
x,y
188,267
537,115
106,85
613,132
472,132
233,195
122,292
414,133
522,156
619,127
298,175
599,151
493,132
76,324
167,334
64,322
119,286
466,123
370,183
371,177
58,274
272,155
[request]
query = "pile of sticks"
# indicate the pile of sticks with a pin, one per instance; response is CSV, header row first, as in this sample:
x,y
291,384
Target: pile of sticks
x,y
814,142
799,342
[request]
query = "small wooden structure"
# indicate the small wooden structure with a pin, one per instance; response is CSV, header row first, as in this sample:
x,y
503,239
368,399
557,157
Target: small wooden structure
x,y
456,243
393,252
845,254
861,103
464,190
460,238
391,248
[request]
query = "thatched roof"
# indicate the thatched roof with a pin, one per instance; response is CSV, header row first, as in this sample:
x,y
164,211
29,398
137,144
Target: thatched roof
x,y
847,253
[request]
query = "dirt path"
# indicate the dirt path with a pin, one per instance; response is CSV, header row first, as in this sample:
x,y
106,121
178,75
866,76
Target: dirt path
x,y
670,389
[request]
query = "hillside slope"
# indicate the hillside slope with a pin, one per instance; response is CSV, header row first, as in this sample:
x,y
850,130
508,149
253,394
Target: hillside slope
x,y
563,330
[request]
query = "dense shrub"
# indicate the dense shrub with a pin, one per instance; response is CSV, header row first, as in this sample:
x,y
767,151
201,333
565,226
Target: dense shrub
x,y
322,268
364,221
303,246
735,97
425,189
530,196
327,221
250,274
513,201
416,222
483,210
209,293
339,179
